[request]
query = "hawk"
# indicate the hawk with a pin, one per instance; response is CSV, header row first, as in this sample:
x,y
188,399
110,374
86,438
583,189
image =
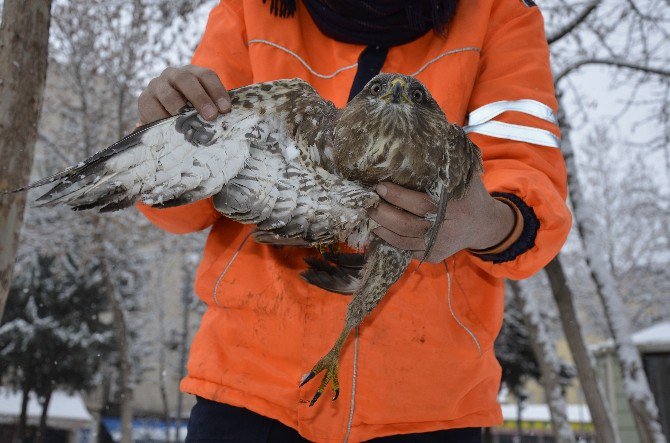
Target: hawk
x,y
297,167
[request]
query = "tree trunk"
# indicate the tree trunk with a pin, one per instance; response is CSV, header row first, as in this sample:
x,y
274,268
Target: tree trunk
x,y
42,429
183,345
518,438
550,365
163,391
121,333
24,48
23,416
640,398
162,371
601,413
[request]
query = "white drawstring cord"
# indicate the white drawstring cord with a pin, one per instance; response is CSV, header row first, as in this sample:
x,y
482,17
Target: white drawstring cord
x,y
230,262
453,314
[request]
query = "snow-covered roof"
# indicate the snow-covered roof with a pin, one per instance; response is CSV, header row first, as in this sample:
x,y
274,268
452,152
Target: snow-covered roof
x,y
540,412
655,338
66,411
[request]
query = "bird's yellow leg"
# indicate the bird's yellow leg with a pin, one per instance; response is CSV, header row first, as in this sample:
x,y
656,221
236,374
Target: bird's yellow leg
x,y
385,264
330,363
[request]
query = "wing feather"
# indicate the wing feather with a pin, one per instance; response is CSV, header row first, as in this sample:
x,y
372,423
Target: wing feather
x,y
266,162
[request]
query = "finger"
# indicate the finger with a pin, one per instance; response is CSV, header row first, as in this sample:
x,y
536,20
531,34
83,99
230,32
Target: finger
x,y
150,109
400,242
170,98
187,83
399,221
212,84
418,203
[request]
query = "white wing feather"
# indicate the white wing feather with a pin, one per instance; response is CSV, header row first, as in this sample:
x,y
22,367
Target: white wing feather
x,y
247,159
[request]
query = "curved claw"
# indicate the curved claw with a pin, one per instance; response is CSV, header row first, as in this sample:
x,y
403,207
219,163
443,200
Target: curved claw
x,y
315,398
307,377
337,393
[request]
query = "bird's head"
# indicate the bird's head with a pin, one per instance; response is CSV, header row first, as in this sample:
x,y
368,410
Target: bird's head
x,y
396,89
393,119
395,93
393,101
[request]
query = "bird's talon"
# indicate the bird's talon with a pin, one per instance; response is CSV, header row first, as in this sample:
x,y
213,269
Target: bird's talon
x,y
307,377
315,398
337,394
329,363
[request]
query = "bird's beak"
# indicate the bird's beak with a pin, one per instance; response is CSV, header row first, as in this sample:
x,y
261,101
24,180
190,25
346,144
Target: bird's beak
x,y
396,91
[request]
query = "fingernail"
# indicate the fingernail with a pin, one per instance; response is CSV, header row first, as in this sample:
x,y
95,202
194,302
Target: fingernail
x,y
208,111
381,190
223,104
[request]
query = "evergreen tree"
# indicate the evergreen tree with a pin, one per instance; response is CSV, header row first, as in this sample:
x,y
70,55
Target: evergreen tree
x,y
52,334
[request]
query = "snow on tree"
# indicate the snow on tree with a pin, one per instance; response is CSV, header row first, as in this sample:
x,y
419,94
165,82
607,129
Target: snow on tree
x,y
103,54
514,352
52,334
23,69
601,411
552,371
630,39
621,193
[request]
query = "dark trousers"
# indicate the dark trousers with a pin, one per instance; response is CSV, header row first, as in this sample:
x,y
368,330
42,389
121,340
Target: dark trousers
x,y
217,422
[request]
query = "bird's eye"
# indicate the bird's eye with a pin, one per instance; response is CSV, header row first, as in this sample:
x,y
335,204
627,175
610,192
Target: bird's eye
x,y
375,89
417,95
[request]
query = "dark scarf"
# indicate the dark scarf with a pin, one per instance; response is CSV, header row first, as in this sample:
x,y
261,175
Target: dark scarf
x,y
374,22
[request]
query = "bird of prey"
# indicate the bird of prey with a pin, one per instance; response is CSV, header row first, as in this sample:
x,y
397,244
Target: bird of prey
x,y
297,167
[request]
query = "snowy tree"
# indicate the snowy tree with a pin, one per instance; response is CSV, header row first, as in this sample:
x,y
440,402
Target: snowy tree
x,y
630,39
552,371
103,54
594,393
514,352
625,200
23,69
53,334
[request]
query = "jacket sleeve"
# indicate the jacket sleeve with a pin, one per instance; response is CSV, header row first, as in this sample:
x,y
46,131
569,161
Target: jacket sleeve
x,y
223,48
512,119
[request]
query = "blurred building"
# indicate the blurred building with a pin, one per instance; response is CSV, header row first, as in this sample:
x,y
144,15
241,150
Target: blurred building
x,y
68,419
654,346
533,423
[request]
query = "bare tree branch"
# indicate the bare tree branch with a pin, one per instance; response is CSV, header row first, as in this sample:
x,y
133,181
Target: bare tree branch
x,y
611,62
565,30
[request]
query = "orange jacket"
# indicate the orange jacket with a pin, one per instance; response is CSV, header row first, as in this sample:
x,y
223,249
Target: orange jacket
x,y
423,360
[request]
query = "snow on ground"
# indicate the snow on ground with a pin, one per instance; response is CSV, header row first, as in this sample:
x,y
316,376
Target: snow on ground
x,y
540,412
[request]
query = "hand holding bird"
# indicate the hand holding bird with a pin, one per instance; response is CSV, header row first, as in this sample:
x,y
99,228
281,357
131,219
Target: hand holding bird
x,y
477,221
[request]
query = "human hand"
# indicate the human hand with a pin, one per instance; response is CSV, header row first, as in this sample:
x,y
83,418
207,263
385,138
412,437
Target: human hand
x,y
168,93
477,221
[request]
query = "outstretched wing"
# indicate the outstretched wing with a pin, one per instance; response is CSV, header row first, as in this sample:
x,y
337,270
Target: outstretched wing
x,y
176,160
264,163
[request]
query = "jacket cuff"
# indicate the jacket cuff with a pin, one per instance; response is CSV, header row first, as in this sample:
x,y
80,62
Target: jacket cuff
x,y
526,239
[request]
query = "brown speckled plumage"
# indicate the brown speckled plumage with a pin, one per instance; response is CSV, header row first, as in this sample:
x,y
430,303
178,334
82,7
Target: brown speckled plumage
x,y
392,131
295,166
